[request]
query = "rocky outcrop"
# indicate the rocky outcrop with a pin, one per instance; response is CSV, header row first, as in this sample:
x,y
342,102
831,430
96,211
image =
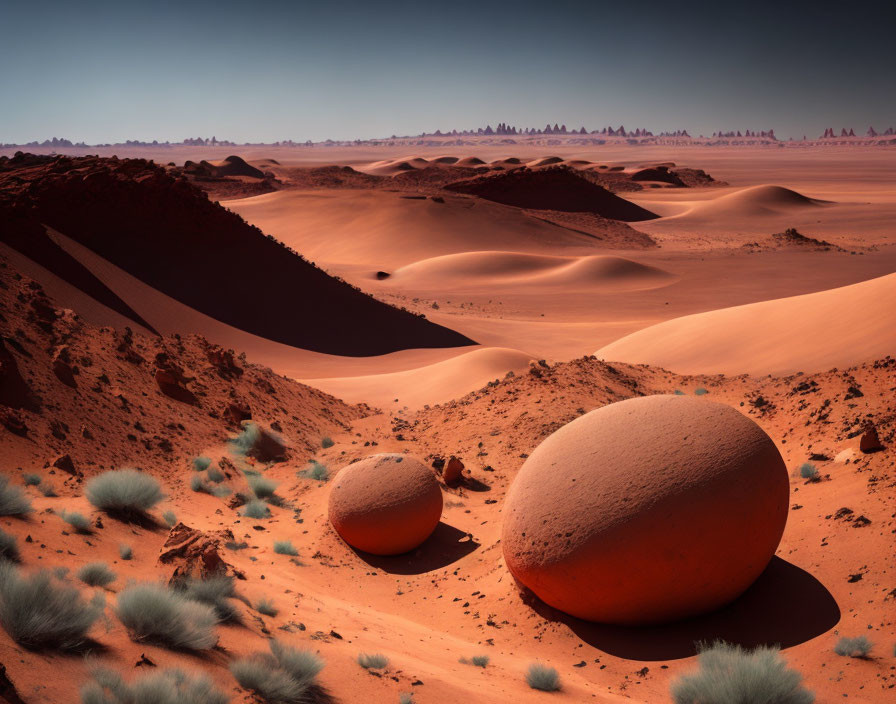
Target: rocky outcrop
x,y
189,552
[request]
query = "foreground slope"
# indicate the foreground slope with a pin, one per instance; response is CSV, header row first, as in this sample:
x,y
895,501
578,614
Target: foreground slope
x,y
167,233
452,598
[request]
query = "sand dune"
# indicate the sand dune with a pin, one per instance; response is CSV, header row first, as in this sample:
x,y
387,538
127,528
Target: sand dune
x,y
807,333
390,167
545,161
488,269
558,188
470,161
381,230
431,384
756,200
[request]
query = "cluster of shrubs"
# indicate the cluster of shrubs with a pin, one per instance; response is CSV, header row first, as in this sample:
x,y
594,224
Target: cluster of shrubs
x,y
163,687
208,478
44,610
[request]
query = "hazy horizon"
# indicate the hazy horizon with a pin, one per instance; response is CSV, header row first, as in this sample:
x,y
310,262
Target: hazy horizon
x,y
108,72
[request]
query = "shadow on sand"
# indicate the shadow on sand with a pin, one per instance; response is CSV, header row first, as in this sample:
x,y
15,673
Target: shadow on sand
x,y
785,606
446,545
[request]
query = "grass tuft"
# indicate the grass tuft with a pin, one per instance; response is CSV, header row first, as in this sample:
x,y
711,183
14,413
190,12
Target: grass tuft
x,y
262,487
232,545
315,470
197,483
78,521
285,675
542,677
373,661
170,518
285,547
9,547
212,591
256,508
31,479
700,391
728,673
858,647
215,475
809,471
41,611
266,607
13,501
47,490
326,442
477,660
160,687
125,552
96,574
155,613
200,464
125,492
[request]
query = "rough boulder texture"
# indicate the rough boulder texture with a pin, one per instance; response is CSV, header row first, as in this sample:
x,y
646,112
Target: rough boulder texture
x,y
385,504
647,511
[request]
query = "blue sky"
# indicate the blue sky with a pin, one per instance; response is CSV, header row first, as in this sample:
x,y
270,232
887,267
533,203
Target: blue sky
x,y
108,71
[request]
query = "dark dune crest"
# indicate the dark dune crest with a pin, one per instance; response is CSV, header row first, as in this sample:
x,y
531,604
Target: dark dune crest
x,y
166,232
556,188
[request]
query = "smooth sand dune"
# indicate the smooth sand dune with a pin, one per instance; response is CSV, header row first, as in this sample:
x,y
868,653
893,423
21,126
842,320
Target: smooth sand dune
x,y
545,161
756,200
382,230
390,167
431,384
470,162
808,333
487,269
730,207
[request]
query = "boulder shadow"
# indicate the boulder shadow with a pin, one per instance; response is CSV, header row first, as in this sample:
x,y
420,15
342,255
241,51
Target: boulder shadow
x,y
785,606
446,545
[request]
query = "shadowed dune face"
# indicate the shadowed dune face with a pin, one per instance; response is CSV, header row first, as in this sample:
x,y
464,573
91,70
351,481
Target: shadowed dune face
x,y
166,233
559,188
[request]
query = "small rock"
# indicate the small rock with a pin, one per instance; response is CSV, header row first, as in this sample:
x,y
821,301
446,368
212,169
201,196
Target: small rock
x,y
452,473
66,464
870,441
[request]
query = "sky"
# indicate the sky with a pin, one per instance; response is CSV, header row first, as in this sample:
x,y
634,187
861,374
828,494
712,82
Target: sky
x,y
99,71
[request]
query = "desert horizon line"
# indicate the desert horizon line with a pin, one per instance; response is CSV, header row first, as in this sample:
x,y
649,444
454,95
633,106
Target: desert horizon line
x,y
500,130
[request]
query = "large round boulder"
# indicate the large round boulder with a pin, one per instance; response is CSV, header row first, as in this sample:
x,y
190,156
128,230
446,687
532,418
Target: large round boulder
x,y
647,511
385,504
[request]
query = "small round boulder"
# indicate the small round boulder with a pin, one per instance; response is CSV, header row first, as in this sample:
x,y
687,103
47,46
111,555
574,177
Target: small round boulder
x,y
385,504
647,511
